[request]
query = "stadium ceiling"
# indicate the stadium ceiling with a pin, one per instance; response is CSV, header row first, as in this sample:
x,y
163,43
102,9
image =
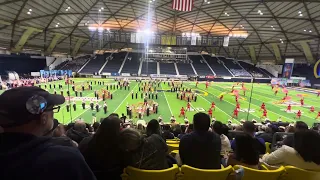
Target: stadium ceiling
x,y
286,28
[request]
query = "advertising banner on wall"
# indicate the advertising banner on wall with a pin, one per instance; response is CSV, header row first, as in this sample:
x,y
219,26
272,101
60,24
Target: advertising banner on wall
x,y
55,73
279,81
288,68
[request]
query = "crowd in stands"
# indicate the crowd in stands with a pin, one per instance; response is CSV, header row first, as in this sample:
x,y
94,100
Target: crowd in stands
x,y
240,73
33,145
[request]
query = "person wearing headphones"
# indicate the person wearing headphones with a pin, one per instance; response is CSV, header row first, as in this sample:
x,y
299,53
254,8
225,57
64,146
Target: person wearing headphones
x,y
26,150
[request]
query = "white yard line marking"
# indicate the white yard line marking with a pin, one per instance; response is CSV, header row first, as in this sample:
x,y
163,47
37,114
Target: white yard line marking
x,y
125,98
166,100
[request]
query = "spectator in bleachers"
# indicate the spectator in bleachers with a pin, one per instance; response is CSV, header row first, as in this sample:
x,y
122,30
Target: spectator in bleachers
x,y
59,137
201,148
176,130
266,134
250,128
166,133
101,150
305,153
78,131
218,128
144,153
299,126
246,153
26,149
153,127
95,126
183,131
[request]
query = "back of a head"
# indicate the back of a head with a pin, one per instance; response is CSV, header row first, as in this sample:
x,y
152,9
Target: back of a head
x,y
306,143
153,127
166,127
80,126
246,149
183,128
201,122
217,127
130,139
249,127
109,129
301,126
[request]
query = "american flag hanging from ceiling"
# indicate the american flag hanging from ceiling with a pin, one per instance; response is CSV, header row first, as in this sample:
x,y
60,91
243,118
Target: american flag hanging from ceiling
x,y
182,5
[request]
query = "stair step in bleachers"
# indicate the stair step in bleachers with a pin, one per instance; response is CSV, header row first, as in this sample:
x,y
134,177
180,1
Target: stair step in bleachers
x,y
218,68
95,64
185,69
114,63
201,67
167,68
266,72
149,68
132,63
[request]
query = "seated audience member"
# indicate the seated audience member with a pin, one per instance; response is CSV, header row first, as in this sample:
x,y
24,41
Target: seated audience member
x,y
166,133
58,135
189,129
78,131
225,143
183,131
305,153
246,152
201,149
176,130
299,126
153,127
26,149
95,126
250,128
266,135
143,153
102,152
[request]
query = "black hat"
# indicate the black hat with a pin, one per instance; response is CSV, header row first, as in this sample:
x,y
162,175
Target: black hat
x,y
19,105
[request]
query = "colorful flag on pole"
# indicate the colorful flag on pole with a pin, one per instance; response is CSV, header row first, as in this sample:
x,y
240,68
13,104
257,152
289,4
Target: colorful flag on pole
x,y
182,5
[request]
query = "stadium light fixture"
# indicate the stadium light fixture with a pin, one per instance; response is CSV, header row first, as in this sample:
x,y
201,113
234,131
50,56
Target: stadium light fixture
x,y
99,10
57,25
305,30
300,15
102,8
29,12
273,28
310,31
208,2
67,9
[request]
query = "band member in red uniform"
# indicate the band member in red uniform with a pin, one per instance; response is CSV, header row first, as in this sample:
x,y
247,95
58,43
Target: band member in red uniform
x,y
265,114
182,113
207,84
318,115
188,106
210,112
213,106
318,94
312,109
221,98
302,102
238,106
235,113
298,114
263,106
289,108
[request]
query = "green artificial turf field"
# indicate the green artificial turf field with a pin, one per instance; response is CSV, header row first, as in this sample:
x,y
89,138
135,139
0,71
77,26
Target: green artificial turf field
x,y
170,105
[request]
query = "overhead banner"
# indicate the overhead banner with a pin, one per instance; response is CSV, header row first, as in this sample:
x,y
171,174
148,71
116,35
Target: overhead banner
x,y
288,68
55,73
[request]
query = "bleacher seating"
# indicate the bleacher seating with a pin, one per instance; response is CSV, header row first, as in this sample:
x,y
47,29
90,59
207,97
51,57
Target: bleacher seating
x,y
61,65
167,68
230,63
266,72
149,68
185,69
132,63
114,62
217,67
75,64
305,70
95,64
253,70
200,66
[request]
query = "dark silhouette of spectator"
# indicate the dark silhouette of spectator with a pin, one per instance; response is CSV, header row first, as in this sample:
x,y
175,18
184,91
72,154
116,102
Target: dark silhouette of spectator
x,y
153,127
102,152
95,126
246,153
201,148
183,131
144,153
166,133
26,149
250,128
299,126
78,131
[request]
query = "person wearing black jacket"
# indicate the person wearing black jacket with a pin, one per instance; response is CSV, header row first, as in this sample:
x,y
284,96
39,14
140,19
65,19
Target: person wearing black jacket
x,y
26,150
